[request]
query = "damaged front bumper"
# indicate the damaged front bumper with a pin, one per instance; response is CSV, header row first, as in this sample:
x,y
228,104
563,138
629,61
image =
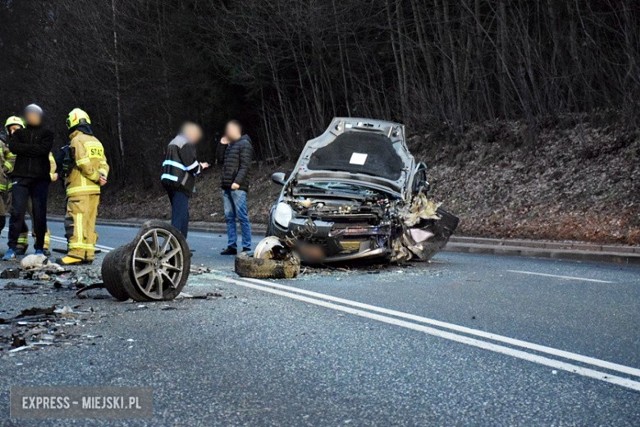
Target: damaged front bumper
x,y
319,241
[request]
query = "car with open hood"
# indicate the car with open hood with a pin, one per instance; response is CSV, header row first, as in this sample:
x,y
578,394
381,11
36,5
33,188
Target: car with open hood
x,y
356,193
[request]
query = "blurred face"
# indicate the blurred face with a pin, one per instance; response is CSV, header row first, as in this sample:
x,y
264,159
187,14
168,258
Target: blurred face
x,y
233,131
33,119
192,132
13,128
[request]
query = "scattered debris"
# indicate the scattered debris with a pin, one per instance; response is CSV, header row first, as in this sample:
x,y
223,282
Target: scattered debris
x,y
208,295
40,263
260,268
36,311
38,327
201,269
10,273
65,311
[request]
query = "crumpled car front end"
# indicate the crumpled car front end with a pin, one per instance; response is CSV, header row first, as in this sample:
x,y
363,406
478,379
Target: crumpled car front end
x,y
342,227
357,193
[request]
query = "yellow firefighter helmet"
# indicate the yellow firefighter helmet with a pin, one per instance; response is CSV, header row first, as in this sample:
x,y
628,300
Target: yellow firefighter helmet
x,y
12,121
77,117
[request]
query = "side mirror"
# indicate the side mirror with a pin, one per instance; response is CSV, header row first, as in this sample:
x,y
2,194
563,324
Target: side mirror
x,y
279,178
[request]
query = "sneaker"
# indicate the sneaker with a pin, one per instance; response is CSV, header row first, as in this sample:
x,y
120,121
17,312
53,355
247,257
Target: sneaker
x,y
229,251
246,249
40,252
9,255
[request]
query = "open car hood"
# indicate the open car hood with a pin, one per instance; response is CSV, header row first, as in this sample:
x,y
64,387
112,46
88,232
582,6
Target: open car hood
x,y
369,151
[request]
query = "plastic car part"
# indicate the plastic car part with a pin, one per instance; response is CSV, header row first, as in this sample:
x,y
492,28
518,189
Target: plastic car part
x,y
266,247
256,268
155,266
424,242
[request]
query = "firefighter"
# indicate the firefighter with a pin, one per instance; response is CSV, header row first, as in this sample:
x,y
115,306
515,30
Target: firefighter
x,y
7,161
89,173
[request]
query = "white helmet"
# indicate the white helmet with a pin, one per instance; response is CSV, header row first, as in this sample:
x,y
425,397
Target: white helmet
x,y
264,249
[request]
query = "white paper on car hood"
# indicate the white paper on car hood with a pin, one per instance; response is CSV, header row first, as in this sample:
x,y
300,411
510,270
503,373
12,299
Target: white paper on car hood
x,y
358,159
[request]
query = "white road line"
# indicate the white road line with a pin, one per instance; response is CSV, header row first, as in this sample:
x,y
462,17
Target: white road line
x,y
519,354
458,328
583,279
63,240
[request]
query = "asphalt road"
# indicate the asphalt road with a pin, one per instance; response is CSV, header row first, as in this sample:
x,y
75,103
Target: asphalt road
x,y
464,340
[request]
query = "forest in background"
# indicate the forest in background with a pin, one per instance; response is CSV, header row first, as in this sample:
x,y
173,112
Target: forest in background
x,y
285,67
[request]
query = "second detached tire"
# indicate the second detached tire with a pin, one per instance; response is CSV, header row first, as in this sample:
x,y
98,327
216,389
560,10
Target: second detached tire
x,y
256,268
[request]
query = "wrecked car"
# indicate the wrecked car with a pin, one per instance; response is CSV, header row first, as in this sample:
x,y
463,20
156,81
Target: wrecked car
x,y
357,193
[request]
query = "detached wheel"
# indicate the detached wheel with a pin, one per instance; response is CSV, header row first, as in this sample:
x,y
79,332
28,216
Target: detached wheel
x,y
256,268
155,266
160,263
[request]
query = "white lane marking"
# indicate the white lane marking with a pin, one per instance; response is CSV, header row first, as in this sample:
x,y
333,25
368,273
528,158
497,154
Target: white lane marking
x,y
519,354
583,279
63,240
463,329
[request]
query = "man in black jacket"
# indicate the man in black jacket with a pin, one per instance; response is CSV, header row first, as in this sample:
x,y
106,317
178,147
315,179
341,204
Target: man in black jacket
x,y
31,178
179,171
235,153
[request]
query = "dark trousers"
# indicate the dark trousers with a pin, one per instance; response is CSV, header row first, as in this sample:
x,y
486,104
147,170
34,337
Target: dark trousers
x,y
36,190
179,210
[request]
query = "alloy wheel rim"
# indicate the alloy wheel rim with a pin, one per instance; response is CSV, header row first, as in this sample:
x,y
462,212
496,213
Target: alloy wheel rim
x,y
158,261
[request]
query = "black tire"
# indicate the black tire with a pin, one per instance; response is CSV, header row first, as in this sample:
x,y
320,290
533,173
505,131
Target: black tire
x,y
256,268
113,274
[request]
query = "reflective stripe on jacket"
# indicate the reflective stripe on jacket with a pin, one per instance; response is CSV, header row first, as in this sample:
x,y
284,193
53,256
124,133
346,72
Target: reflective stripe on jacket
x,y
90,164
180,166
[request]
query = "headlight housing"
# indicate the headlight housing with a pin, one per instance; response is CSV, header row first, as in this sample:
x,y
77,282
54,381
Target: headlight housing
x,y
283,214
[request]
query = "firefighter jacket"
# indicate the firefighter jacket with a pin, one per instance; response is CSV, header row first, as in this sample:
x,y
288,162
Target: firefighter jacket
x,y
181,166
90,164
7,161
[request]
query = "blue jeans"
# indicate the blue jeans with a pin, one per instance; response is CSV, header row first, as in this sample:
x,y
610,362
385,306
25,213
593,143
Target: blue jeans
x,y
235,207
179,210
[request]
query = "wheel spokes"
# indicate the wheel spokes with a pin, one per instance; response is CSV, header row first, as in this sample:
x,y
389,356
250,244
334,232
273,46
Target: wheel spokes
x,y
171,254
144,271
157,263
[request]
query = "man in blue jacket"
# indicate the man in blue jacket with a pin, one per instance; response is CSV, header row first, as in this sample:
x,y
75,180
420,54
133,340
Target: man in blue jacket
x,y
235,153
179,171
